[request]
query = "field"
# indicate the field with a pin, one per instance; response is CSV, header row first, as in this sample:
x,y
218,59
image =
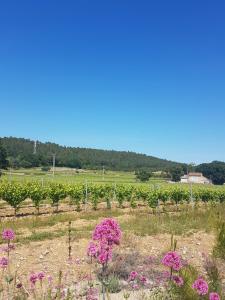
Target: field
x,y
55,220
67,175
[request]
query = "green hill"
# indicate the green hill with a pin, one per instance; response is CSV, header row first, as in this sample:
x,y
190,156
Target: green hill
x,y
20,153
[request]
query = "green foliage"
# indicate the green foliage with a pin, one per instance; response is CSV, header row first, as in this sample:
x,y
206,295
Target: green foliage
x,y
143,175
14,194
36,193
56,192
113,284
45,169
214,171
186,292
76,193
219,248
153,199
213,275
20,151
3,157
176,173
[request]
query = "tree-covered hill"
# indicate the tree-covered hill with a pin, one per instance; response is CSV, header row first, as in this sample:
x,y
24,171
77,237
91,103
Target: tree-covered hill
x,y
20,153
214,170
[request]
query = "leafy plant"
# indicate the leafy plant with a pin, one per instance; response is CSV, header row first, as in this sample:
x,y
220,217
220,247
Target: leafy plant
x,y
219,248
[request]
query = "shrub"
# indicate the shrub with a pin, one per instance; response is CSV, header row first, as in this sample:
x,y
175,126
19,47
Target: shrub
x,y
213,275
219,248
45,169
113,284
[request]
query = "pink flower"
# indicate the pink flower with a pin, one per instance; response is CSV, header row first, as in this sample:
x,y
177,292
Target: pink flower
x,y
133,275
201,286
214,296
106,234
178,280
33,278
50,279
135,286
3,262
8,248
143,280
109,231
104,253
92,250
19,285
8,234
41,275
172,260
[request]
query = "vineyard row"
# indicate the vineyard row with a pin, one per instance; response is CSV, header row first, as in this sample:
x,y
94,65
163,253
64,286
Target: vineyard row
x,y
16,193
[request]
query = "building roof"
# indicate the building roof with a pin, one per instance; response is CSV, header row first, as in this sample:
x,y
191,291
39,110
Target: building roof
x,y
195,174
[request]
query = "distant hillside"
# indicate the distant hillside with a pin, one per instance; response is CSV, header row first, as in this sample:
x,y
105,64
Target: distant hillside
x,y
21,154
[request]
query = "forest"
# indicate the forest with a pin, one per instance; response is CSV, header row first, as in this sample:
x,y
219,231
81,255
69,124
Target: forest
x,y
20,154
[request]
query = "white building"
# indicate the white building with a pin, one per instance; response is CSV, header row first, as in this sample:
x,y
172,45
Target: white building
x,y
195,178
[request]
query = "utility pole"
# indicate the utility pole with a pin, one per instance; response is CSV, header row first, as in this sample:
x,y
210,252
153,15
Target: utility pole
x,y
35,147
103,173
53,164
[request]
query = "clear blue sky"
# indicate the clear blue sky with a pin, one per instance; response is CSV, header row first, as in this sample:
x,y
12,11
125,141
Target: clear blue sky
x,y
145,76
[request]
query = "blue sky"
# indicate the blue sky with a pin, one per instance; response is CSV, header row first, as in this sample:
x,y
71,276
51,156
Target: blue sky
x,y
145,76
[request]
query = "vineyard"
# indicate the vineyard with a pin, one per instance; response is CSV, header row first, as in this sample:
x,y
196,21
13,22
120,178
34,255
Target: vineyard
x,y
82,196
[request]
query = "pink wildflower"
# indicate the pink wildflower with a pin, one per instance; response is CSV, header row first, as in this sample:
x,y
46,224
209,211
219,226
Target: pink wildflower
x,y
41,275
8,234
19,285
109,231
92,250
135,286
214,296
143,279
172,260
3,262
105,253
33,278
201,286
133,275
50,279
178,280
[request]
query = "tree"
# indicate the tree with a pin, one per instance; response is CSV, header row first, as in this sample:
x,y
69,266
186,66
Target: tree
x,y
45,169
3,158
176,173
143,175
214,171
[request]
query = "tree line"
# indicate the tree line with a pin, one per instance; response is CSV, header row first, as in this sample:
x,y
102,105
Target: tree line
x,y
20,154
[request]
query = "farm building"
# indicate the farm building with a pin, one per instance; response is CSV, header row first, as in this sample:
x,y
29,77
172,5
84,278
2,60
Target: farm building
x,y
195,178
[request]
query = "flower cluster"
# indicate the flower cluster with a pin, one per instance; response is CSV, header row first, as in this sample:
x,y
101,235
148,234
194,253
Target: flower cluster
x,y
34,277
172,260
8,234
107,231
214,296
201,286
105,236
3,262
136,280
178,280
